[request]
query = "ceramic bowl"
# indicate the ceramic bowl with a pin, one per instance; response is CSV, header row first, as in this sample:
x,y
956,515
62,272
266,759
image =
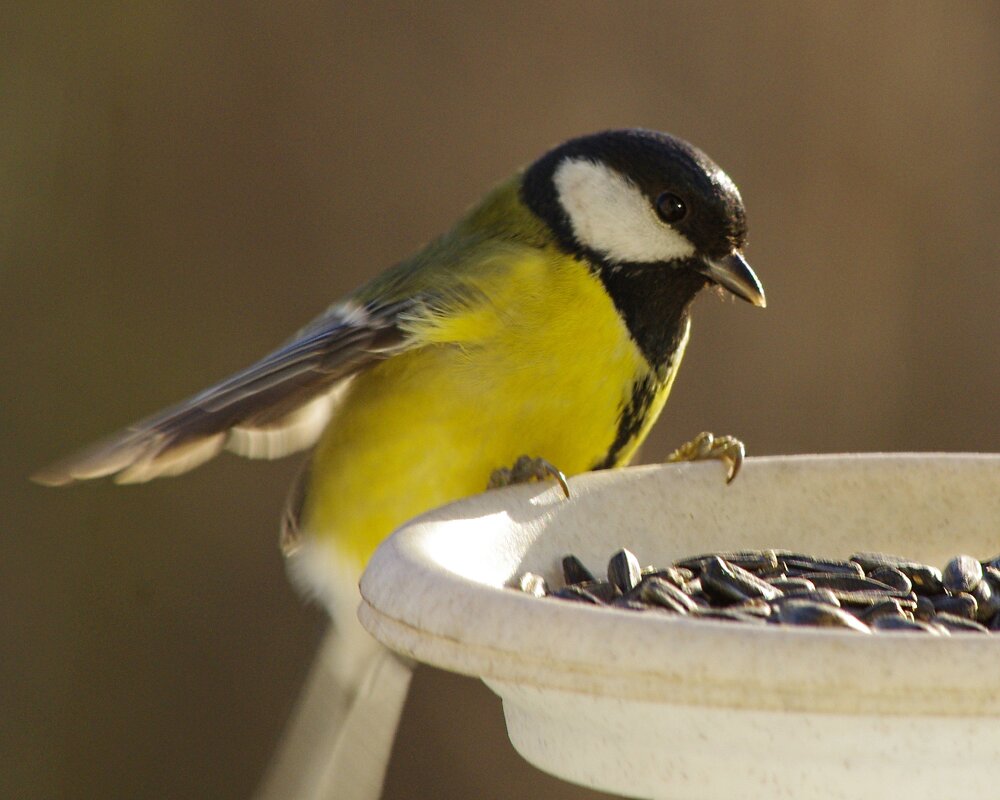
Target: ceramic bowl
x,y
653,705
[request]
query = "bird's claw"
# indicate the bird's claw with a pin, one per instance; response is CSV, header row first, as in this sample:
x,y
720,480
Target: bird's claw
x,y
727,449
525,470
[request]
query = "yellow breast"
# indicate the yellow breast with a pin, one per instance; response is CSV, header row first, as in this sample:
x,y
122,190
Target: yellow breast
x,y
539,364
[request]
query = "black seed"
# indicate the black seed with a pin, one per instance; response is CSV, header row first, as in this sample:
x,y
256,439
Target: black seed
x,y
873,561
788,585
730,582
958,624
961,605
962,574
804,612
678,576
868,598
991,562
881,609
987,600
757,561
804,565
576,593
925,608
659,592
697,592
991,574
925,579
604,591
756,607
574,571
891,623
624,570
893,577
852,583
824,596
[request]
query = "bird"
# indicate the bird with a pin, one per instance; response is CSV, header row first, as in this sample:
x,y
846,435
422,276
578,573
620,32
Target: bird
x,y
539,337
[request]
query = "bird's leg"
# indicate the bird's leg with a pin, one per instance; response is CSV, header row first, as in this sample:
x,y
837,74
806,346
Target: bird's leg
x,y
525,470
727,449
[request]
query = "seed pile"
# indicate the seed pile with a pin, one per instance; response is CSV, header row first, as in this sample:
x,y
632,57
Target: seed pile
x,y
869,592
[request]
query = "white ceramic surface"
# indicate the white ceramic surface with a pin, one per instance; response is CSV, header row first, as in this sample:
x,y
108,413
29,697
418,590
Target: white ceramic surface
x,y
656,706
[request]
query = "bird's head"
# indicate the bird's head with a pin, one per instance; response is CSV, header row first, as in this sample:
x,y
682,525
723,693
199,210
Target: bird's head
x,y
641,199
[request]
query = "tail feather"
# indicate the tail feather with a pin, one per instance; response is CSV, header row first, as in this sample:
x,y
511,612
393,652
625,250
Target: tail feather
x,y
338,743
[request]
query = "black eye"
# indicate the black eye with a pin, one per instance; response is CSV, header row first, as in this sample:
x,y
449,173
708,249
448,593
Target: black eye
x,y
670,207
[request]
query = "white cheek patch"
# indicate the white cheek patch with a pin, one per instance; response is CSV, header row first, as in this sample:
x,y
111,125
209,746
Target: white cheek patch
x,y
610,215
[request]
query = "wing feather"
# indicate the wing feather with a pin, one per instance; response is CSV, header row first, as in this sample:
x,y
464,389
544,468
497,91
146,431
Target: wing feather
x,y
276,406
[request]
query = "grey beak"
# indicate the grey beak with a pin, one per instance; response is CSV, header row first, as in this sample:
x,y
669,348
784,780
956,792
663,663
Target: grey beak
x,y
732,272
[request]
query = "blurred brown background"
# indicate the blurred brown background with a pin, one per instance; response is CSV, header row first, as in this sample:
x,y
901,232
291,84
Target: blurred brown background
x,y
184,184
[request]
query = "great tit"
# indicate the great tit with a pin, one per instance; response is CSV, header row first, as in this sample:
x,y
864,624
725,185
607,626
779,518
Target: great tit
x,y
549,322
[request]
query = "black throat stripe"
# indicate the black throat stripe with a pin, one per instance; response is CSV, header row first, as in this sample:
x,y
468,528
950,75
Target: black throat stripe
x,y
653,301
631,419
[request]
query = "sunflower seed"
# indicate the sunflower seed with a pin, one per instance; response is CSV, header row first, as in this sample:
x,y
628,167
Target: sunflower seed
x,y
873,561
883,608
788,585
824,596
962,574
961,605
760,561
730,582
624,571
958,624
852,583
991,562
659,592
574,571
678,576
925,579
924,610
604,591
991,574
987,600
891,623
755,607
804,612
893,577
868,597
804,565
573,592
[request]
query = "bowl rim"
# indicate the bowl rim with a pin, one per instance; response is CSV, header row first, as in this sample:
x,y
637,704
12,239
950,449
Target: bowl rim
x,y
416,605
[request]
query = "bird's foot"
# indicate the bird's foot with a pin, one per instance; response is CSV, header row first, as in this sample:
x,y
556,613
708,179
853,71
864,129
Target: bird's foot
x,y
727,449
525,470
